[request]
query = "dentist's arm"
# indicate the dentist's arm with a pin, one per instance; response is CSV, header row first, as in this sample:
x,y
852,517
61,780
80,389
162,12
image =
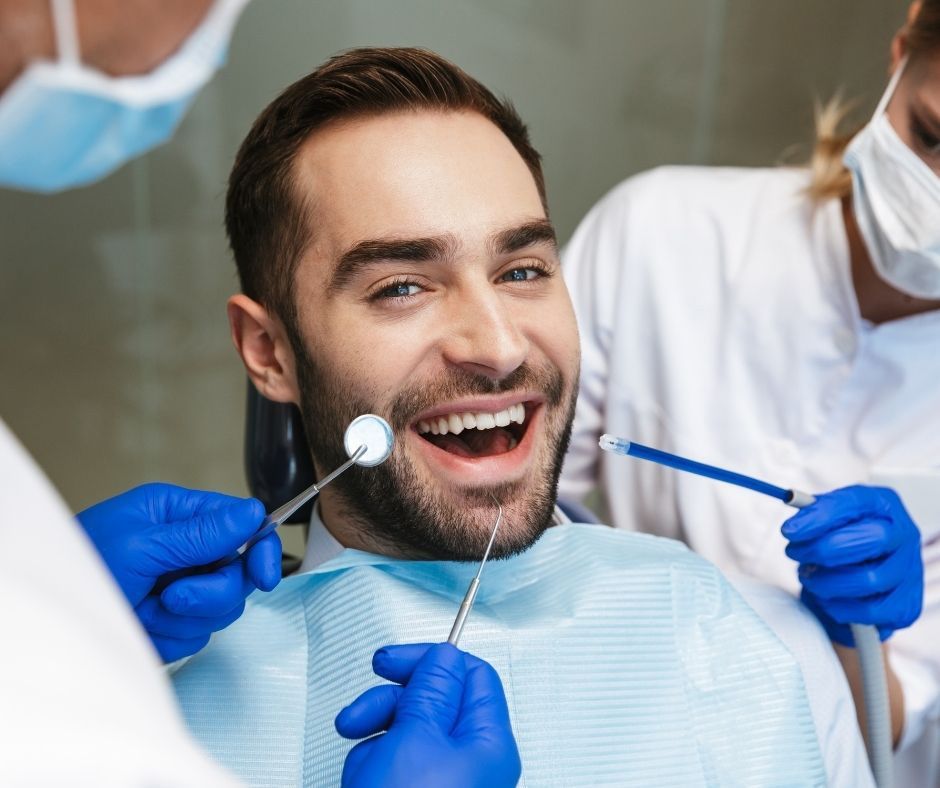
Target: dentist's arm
x,y
157,529
445,723
860,562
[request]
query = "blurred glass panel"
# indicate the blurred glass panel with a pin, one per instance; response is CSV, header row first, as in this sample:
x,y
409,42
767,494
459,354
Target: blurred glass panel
x,y
117,366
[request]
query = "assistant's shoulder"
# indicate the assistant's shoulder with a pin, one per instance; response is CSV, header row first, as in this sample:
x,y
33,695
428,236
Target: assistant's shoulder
x,y
671,195
681,230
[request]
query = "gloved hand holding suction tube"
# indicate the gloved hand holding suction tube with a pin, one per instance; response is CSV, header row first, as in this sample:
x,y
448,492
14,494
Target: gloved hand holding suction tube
x,y
860,561
857,547
861,569
445,723
156,529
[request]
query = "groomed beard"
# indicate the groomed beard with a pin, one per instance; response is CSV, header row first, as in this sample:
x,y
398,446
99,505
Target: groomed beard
x,y
388,502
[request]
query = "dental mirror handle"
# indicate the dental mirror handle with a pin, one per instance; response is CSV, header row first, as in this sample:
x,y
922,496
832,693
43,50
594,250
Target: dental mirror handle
x,y
368,441
270,523
277,518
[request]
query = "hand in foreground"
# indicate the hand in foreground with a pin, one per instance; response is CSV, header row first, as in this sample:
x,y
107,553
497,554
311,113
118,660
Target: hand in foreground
x,y
156,529
448,725
860,561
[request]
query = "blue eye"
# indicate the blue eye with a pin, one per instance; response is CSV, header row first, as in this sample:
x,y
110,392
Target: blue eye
x,y
522,274
399,290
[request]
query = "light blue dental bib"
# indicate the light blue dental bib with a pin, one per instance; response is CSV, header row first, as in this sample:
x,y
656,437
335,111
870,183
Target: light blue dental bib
x,y
626,659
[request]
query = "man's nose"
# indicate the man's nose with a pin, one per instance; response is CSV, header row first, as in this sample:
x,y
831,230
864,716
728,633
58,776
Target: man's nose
x,y
484,337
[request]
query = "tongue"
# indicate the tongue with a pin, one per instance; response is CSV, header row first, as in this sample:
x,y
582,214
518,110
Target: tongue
x,y
474,443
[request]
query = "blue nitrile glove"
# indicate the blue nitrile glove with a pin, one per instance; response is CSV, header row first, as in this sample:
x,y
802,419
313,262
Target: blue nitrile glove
x,y
860,561
448,725
156,529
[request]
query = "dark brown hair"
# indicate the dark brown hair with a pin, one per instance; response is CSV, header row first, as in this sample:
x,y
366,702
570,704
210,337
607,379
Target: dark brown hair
x,y
266,220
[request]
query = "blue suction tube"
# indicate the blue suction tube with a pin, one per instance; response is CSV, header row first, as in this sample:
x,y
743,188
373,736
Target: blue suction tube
x,y
867,642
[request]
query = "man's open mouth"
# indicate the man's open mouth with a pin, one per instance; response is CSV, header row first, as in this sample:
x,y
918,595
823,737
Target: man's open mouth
x,y
478,434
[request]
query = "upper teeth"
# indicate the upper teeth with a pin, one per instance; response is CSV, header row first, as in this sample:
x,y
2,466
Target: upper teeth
x,y
458,422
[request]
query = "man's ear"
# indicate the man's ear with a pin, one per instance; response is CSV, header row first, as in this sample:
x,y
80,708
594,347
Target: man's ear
x,y
261,340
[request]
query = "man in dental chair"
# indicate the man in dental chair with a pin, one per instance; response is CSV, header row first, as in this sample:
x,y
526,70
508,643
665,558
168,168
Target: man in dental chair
x,y
389,221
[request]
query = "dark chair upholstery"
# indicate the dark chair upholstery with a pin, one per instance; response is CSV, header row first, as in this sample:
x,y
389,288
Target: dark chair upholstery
x,y
277,460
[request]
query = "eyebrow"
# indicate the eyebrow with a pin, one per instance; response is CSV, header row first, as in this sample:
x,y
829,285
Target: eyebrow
x,y
373,252
539,231
424,250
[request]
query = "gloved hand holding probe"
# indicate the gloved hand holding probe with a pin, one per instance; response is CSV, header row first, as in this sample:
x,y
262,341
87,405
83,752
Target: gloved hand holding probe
x,y
445,719
860,561
156,529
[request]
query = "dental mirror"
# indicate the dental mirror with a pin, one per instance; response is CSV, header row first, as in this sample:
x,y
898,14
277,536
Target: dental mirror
x,y
375,434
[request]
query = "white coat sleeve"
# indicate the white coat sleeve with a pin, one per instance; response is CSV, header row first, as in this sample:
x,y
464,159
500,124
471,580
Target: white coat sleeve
x,y
592,267
85,701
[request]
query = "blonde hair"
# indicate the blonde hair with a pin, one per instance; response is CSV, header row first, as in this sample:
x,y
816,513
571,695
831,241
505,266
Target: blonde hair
x,y
828,176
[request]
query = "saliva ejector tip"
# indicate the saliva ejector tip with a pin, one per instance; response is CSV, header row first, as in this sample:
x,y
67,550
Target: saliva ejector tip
x,y
614,444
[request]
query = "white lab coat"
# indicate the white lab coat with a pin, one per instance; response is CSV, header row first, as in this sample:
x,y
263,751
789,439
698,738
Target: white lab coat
x,y
83,698
718,320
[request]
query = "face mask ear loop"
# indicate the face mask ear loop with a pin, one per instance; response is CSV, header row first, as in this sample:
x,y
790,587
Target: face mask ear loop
x,y
889,91
66,30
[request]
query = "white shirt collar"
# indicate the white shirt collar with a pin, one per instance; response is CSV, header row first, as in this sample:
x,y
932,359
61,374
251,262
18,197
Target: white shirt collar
x,y
321,544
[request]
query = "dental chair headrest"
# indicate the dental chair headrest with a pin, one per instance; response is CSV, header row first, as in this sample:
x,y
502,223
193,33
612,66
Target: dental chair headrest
x,y
277,460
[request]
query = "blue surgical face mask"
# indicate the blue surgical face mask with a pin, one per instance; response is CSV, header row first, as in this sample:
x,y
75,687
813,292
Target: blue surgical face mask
x,y
63,124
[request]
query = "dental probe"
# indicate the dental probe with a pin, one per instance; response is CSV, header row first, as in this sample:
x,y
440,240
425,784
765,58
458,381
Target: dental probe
x,y
368,442
867,641
471,594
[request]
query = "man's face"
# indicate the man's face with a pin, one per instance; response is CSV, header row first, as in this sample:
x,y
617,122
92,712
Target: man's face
x,y
432,295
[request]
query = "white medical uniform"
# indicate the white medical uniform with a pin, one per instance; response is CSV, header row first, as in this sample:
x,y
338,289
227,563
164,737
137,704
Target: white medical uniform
x,y
83,697
719,321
